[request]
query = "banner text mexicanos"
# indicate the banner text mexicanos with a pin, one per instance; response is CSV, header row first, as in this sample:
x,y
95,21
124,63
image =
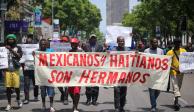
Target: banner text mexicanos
x,y
103,61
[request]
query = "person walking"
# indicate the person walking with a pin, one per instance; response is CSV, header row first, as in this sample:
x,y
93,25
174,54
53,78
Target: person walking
x,y
154,49
190,47
46,90
29,75
176,76
64,90
12,73
93,92
120,92
75,91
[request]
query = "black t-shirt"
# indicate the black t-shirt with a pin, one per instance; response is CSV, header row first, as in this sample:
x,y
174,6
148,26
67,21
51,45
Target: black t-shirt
x,y
13,60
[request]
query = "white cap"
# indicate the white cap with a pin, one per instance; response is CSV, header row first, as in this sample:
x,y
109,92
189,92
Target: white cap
x,y
93,35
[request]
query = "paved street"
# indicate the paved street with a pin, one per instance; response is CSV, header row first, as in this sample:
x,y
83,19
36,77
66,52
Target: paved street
x,y
137,100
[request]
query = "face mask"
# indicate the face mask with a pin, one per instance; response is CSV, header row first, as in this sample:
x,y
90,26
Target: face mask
x,y
11,44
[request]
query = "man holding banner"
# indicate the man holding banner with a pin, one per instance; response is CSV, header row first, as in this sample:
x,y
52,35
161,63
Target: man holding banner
x,y
93,92
120,92
153,92
43,46
116,69
176,76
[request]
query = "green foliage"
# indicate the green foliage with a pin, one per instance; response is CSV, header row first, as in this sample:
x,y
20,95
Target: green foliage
x,y
164,13
78,15
13,12
98,34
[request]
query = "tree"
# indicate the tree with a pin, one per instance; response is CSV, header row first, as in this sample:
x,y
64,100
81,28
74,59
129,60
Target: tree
x,y
77,15
13,12
164,13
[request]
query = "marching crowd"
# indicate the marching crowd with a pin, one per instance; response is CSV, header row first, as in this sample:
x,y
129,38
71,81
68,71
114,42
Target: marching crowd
x,y
12,74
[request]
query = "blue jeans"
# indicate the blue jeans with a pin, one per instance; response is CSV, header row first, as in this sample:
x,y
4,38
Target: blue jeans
x,y
153,96
46,90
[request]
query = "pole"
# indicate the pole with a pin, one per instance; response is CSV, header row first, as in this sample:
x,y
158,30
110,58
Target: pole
x,y
52,16
2,26
3,8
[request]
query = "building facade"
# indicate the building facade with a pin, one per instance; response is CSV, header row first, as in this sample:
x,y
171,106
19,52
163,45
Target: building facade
x,y
115,10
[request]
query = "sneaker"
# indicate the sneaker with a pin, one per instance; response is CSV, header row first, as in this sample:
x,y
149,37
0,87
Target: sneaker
x,y
26,101
88,102
153,109
20,104
52,109
177,107
35,98
65,102
43,108
117,110
122,110
8,108
94,103
75,110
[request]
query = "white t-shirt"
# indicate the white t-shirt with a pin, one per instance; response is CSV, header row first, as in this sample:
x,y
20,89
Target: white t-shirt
x,y
156,51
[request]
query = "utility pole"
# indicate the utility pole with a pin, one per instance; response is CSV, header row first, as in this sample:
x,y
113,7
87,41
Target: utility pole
x,y
52,16
3,8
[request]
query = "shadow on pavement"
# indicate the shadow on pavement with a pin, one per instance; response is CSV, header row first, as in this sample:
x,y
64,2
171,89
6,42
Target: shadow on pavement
x,y
171,92
169,106
59,101
39,110
148,110
80,110
146,90
84,103
12,108
70,110
188,106
112,110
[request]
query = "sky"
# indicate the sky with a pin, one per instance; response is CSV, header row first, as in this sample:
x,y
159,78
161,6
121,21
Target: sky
x,y
101,4
132,4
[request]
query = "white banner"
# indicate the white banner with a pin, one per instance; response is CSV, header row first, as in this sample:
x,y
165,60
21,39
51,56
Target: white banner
x,y
102,69
27,57
112,32
60,46
3,58
187,62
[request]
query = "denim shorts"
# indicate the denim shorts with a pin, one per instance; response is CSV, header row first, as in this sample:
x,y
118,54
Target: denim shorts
x,y
46,90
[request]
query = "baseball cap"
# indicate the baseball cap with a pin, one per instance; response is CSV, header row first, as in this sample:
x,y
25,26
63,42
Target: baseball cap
x,y
11,36
74,40
93,35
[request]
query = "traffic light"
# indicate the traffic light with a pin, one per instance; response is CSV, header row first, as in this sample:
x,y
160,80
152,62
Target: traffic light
x,y
183,23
